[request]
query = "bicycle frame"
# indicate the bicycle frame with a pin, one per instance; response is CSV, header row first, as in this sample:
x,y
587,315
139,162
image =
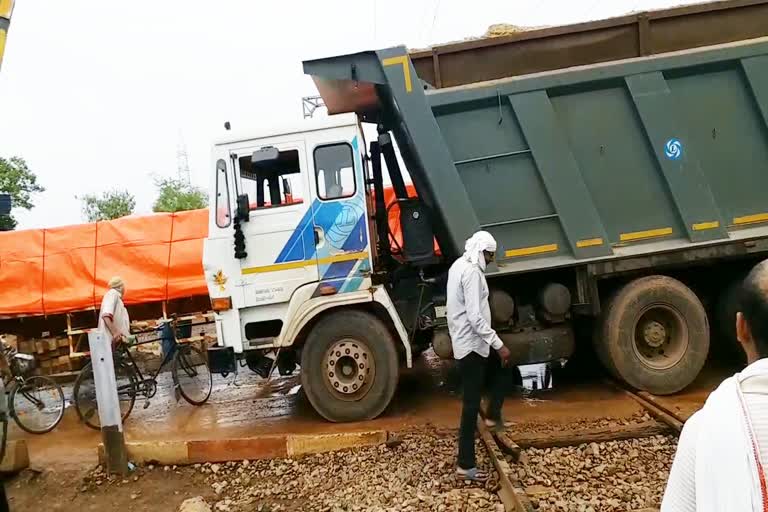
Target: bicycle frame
x,y
124,356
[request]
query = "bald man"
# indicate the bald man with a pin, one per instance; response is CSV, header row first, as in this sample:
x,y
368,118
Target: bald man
x,y
723,450
113,317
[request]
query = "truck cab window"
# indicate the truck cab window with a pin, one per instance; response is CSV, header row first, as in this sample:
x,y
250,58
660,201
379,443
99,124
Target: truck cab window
x,y
223,212
272,183
334,171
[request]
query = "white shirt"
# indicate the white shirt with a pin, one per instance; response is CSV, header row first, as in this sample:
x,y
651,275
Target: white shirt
x,y
469,314
681,491
112,304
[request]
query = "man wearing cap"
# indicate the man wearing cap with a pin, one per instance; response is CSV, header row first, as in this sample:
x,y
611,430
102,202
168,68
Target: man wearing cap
x,y
472,337
113,317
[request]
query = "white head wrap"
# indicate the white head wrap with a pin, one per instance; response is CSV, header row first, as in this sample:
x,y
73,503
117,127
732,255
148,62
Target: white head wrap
x,y
116,283
474,247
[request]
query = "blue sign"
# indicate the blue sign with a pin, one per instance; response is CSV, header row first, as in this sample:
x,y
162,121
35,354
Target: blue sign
x,y
673,149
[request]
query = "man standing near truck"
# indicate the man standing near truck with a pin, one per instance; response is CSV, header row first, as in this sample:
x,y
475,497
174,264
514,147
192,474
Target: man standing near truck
x,y
469,325
723,449
113,317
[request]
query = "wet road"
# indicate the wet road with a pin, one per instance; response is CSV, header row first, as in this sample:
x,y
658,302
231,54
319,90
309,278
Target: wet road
x,y
427,395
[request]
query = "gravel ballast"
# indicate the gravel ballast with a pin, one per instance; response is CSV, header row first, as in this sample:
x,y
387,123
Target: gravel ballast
x,y
598,477
416,473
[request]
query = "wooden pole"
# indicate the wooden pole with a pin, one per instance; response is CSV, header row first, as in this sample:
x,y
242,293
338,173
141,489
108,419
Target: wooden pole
x,y
115,454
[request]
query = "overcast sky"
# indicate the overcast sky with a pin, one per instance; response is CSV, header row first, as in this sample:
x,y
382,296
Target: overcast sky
x,y
99,94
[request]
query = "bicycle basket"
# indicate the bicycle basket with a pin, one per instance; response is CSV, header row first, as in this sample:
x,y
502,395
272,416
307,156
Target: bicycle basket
x,y
22,364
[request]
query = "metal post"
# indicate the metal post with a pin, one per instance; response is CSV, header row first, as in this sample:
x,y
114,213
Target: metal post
x,y
115,454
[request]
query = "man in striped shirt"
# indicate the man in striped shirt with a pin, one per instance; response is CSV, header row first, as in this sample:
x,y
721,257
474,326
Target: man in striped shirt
x,y
723,448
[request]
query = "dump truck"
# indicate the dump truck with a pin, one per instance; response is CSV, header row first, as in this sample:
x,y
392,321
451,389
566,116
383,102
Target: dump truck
x,y
627,198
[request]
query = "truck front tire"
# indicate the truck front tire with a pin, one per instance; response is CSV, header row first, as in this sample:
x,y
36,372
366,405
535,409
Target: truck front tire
x,y
654,335
349,366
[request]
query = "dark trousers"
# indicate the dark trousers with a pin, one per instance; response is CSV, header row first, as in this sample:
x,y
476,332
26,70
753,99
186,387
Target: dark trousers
x,y
478,372
3,498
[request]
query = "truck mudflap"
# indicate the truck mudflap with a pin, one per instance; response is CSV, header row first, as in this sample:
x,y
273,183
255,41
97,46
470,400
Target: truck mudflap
x,y
528,346
221,360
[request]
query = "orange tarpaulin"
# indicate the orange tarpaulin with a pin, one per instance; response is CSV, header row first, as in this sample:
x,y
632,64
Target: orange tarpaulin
x,y
65,269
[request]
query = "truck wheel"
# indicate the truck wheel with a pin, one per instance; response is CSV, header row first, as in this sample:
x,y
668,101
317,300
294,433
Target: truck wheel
x,y
654,335
349,367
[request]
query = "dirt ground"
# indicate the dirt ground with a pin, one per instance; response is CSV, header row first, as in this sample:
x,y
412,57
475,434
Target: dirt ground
x,y
63,460
413,473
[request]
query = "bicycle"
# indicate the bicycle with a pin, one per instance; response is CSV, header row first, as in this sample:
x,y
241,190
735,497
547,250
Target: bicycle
x,y
190,371
35,403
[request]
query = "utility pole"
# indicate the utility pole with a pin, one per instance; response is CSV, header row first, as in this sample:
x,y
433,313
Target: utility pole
x,y
6,8
310,104
110,419
182,161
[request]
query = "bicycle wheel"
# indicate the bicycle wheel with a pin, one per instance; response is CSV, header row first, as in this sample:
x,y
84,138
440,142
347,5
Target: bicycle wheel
x,y
192,374
37,404
85,394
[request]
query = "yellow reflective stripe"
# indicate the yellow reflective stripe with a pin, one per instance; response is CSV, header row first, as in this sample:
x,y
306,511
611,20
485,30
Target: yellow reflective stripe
x,y
751,219
305,263
277,266
589,242
403,61
528,251
6,6
2,45
343,257
640,235
701,226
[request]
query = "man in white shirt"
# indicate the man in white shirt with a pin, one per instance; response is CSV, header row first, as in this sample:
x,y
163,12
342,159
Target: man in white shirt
x,y
113,317
472,337
723,448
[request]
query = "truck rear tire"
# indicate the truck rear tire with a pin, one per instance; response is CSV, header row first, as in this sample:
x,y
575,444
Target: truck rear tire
x,y
349,366
654,335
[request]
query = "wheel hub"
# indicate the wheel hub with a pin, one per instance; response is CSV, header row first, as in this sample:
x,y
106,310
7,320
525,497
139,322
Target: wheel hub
x,y
660,336
654,333
348,367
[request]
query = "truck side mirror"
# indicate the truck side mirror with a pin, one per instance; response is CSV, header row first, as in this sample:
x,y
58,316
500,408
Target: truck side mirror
x,y
243,208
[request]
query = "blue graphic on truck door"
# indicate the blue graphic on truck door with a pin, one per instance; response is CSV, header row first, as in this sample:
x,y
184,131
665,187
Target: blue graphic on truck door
x,y
340,222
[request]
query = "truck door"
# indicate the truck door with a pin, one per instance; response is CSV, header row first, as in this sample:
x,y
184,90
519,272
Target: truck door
x,y
340,220
279,236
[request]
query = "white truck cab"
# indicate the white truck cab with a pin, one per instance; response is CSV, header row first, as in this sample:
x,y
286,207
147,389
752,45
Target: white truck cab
x,y
288,262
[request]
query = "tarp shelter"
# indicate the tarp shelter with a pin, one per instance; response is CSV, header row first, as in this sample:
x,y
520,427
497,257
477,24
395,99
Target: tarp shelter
x,y
59,270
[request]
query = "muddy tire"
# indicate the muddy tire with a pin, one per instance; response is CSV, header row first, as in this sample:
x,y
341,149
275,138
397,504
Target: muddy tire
x,y
349,366
654,335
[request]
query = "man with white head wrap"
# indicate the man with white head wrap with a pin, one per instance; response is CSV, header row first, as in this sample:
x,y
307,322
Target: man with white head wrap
x,y
113,317
469,324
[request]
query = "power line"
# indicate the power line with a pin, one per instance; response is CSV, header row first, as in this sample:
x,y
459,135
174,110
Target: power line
x,y
434,18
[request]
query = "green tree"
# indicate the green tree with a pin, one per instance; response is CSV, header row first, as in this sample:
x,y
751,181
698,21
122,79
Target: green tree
x,y
178,196
110,205
17,180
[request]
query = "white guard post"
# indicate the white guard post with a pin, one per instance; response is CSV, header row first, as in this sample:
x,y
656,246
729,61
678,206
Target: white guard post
x,y
115,455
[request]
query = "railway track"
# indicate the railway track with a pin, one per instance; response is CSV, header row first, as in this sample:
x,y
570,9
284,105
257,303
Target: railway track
x,y
654,430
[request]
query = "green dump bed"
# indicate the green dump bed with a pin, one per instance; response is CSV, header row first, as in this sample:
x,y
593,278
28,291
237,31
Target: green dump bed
x,y
631,157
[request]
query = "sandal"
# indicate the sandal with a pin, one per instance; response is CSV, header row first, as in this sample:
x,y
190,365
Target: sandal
x,y
472,475
498,426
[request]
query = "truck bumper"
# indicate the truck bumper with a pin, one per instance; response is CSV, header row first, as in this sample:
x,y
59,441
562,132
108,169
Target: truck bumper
x,y
527,346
